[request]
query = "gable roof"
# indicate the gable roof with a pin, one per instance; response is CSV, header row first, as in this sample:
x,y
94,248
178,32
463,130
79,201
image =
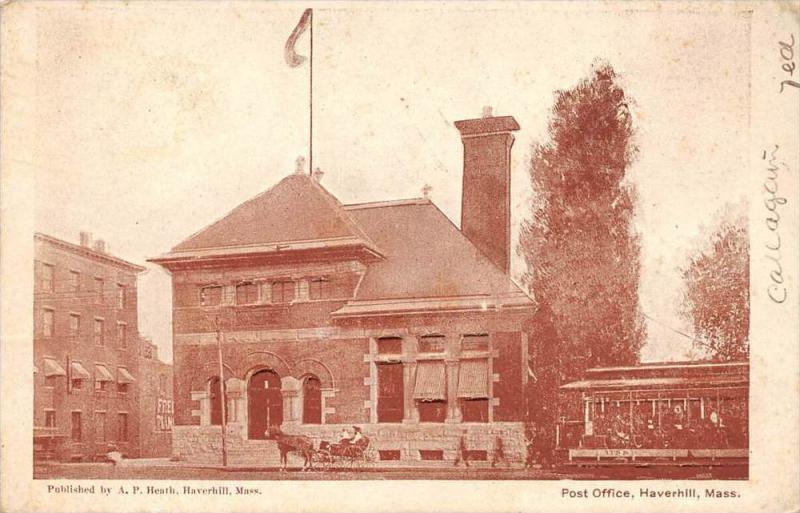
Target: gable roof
x,y
297,211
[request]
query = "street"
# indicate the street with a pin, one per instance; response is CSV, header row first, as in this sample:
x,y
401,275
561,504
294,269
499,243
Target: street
x,y
167,470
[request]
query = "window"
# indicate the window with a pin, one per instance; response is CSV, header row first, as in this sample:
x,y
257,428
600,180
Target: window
x,y
47,283
77,384
74,281
76,432
431,454
120,296
390,392
162,384
390,345
98,290
122,427
283,292
432,344
246,294
47,323
432,411
215,396
211,296
390,455
122,388
475,410
102,378
312,401
475,343
74,324
99,328
50,381
100,426
50,418
319,288
122,334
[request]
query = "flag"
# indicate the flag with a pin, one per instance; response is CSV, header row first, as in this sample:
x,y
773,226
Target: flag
x,y
293,59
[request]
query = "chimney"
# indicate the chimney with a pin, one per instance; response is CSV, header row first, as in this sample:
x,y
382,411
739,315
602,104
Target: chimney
x,y
100,246
318,174
486,192
86,239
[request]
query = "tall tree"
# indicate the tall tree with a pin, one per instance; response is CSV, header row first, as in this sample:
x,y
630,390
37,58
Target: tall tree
x,y
579,244
717,294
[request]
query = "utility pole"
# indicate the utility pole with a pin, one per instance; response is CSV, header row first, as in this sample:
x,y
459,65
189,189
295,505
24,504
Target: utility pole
x,y
222,391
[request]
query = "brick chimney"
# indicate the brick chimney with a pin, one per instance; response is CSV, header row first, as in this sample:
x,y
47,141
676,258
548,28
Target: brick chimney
x,y
486,193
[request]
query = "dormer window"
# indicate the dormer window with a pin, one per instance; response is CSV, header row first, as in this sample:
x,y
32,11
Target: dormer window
x,y
282,291
246,294
211,295
319,288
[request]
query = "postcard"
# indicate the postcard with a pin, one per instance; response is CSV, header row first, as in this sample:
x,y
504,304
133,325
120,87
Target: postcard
x,y
412,256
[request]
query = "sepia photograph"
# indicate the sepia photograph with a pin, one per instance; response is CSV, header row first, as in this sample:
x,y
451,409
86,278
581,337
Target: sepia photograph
x,y
408,242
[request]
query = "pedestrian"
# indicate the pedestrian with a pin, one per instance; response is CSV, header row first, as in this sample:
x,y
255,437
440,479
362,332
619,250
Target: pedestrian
x,y
462,454
530,438
499,453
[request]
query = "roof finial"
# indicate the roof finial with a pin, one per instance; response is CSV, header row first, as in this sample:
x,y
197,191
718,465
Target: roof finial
x,y
318,174
426,191
300,165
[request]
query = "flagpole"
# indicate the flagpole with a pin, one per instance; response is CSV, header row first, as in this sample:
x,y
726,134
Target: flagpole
x,y
311,95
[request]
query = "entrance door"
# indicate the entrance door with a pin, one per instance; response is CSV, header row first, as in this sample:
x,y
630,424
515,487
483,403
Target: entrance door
x,y
264,403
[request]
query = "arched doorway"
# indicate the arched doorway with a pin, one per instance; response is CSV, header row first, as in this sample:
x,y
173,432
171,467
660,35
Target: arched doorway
x,y
264,403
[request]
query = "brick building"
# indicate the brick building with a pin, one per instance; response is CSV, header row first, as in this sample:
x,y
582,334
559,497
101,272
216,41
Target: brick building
x,y
155,404
87,351
383,315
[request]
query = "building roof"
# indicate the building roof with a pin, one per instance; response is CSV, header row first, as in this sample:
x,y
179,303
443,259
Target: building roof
x,y
426,256
296,210
419,260
106,258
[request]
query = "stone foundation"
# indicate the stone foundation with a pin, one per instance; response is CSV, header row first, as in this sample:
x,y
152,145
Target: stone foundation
x,y
202,444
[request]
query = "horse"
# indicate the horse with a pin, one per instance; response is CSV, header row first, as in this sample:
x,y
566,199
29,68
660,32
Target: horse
x,y
292,443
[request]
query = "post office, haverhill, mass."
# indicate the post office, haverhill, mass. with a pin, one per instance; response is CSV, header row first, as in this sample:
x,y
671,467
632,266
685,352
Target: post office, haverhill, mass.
x,y
381,315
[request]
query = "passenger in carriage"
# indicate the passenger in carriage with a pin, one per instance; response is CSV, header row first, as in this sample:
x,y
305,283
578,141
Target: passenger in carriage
x,y
344,436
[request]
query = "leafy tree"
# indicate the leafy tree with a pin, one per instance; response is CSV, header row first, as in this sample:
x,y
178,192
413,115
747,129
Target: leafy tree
x,y
579,245
717,294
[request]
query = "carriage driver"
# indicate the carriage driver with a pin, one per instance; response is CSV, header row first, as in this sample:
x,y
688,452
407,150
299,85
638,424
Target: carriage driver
x,y
345,438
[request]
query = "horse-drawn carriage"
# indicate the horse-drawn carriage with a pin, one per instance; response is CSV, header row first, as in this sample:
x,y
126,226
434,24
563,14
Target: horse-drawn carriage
x,y
328,454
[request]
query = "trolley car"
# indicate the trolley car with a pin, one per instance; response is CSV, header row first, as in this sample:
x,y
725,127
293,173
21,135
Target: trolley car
x,y
667,413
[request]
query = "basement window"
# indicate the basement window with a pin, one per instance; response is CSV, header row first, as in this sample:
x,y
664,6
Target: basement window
x,y
393,455
431,454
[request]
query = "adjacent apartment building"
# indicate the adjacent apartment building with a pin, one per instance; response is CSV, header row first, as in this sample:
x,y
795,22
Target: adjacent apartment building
x,y
88,368
381,315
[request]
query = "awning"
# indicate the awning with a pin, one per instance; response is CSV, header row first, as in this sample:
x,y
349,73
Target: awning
x,y
102,374
123,376
52,368
79,371
473,380
430,385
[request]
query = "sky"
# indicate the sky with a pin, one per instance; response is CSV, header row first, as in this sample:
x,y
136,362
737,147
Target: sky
x,y
155,119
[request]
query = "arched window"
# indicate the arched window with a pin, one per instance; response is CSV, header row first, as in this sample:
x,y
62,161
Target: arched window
x,y
312,401
215,398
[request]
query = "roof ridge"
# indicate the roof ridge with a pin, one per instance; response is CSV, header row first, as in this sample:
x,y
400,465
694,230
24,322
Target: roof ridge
x,y
387,203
